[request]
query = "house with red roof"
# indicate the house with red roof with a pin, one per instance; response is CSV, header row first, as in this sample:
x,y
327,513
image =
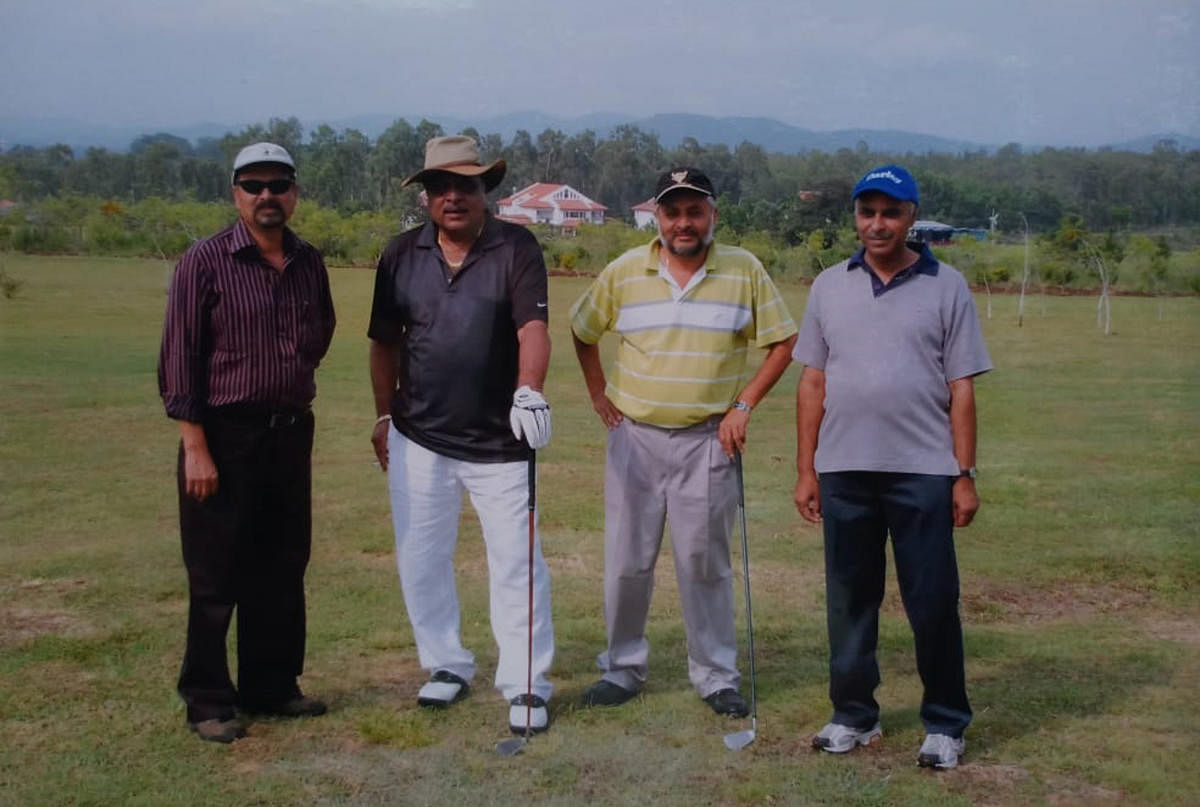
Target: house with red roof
x,y
643,214
548,203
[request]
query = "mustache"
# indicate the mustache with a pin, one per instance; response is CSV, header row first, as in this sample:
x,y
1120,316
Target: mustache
x,y
268,204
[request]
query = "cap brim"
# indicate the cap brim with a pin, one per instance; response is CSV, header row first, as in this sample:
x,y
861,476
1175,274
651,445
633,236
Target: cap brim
x,y
683,186
492,174
886,190
257,163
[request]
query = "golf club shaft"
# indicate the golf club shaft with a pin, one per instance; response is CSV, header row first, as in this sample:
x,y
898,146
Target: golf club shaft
x,y
746,576
529,644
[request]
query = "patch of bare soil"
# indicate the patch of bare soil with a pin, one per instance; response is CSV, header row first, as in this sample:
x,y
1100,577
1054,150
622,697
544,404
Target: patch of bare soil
x,y
1005,776
1065,793
18,624
989,602
1182,631
780,579
33,608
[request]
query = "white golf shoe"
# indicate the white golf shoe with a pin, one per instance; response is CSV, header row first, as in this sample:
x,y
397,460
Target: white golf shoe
x,y
536,713
941,751
838,739
442,689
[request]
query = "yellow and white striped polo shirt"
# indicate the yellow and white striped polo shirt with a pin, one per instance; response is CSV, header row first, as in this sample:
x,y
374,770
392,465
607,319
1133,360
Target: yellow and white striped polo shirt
x,y
682,358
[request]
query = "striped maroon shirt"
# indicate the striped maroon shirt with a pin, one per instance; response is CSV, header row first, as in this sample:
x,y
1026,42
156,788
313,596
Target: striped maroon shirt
x,y
238,331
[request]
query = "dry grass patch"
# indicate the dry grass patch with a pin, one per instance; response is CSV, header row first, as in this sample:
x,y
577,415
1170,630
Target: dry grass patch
x,y
985,601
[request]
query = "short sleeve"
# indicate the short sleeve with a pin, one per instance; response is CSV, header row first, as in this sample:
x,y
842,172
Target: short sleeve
x,y
385,325
530,284
811,348
594,312
964,351
772,321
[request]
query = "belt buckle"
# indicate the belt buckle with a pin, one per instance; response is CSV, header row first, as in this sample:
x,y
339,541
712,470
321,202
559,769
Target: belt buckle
x,y
281,420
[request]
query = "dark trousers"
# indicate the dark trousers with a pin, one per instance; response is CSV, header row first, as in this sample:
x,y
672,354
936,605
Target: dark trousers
x,y
247,547
860,509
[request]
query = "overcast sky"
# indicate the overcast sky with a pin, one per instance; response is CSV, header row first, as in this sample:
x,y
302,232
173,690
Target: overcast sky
x,y
1080,72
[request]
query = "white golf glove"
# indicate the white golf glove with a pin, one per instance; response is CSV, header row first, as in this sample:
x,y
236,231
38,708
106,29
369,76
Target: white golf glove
x,y
530,417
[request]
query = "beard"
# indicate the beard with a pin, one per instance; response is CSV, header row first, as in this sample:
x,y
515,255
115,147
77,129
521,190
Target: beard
x,y
689,252
269,215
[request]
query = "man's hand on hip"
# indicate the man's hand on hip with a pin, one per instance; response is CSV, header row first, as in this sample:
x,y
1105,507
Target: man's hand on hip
x,y
608,412
530,417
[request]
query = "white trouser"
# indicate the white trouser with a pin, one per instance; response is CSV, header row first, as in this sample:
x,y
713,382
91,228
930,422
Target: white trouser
x,y
426,494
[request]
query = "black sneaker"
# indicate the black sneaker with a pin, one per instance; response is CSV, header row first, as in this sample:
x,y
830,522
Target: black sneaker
x,y
606,693
728,702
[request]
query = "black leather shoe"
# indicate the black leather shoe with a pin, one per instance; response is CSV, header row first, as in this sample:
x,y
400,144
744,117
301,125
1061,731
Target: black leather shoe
x,y
299,706
728,702
606,693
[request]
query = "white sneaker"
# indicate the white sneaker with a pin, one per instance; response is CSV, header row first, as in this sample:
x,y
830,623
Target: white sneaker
x,y
443,689
838,739
536,714
941,751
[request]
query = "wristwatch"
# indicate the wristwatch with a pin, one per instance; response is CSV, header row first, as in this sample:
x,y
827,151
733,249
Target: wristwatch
x,y
742,406
969,473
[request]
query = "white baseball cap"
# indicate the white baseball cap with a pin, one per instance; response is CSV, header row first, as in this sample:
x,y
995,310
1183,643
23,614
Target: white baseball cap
x,y
261,153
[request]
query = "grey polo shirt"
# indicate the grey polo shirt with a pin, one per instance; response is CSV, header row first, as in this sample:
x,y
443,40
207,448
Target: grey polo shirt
x,y
456,336
889,353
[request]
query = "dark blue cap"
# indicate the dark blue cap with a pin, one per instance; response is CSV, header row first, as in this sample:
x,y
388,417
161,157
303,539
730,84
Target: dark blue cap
x,y
893,180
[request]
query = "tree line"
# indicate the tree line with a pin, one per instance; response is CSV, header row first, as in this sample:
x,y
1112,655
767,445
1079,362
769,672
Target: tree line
x,y
788,196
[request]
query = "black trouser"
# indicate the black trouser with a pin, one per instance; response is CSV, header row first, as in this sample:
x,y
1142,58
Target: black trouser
x,y
859,510
247,546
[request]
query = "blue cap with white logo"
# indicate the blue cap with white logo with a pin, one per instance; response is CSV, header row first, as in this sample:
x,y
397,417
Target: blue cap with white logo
x,y
893,180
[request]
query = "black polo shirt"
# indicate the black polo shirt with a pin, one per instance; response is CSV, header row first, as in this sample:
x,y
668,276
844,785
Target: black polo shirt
x,y
456,336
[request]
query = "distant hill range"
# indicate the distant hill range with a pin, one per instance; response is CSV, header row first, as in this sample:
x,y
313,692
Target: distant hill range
x,y
772,135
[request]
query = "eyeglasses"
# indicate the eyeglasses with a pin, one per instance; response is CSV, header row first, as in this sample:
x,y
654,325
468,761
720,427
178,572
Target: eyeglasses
x,y
254,187
442,183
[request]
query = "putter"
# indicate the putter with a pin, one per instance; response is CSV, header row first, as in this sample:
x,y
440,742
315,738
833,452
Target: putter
x,y
738,740
515,745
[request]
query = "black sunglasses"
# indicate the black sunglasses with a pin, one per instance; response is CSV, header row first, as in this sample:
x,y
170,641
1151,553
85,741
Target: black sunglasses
x,y
255,186
440,183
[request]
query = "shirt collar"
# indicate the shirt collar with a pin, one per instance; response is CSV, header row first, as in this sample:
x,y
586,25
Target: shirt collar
x,y
242,239
654,257
926,263
491,235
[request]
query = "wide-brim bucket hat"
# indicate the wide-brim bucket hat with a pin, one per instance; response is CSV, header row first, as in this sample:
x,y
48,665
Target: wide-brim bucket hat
x,y
458,154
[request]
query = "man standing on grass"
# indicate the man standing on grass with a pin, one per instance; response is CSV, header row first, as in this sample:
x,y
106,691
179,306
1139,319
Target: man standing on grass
x,y
886,445
676,407
249,318
458,358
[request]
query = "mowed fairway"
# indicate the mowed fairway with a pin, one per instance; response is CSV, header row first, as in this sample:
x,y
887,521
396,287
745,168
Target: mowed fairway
x,y
1081,585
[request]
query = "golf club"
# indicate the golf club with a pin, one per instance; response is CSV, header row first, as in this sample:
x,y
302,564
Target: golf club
x,y
515,745
738,740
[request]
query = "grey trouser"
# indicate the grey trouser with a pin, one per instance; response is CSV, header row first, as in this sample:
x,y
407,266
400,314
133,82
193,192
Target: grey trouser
x,y
655,475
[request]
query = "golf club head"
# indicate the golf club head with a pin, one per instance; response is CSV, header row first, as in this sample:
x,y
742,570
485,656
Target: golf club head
x,y
511,747
740,739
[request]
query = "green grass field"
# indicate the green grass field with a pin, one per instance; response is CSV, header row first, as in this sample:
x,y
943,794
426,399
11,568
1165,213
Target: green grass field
x,y
1080,588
